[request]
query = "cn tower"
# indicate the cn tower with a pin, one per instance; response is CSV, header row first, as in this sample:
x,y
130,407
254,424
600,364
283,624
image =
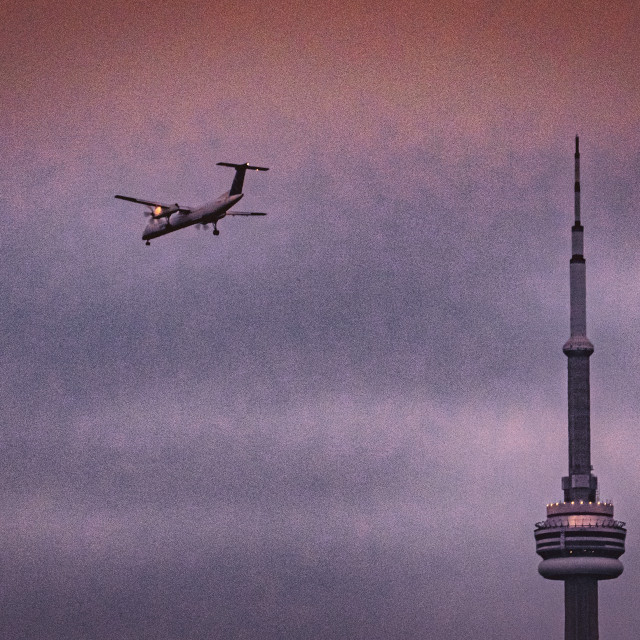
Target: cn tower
x,y
579,542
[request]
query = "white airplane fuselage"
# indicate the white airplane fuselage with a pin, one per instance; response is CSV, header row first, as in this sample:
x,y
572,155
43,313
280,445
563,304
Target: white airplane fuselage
x,y
205,214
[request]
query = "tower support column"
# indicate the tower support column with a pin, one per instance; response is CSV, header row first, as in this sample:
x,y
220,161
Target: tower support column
x,y
581,608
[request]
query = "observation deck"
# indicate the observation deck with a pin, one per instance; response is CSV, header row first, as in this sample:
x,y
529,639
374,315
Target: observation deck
x,y
580,538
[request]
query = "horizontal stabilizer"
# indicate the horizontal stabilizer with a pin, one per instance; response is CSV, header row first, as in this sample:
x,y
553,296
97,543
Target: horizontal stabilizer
x,y
246,165
246,213
238,179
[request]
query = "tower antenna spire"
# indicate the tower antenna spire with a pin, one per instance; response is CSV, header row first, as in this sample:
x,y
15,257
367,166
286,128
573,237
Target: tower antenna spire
x,y
580,484
576,190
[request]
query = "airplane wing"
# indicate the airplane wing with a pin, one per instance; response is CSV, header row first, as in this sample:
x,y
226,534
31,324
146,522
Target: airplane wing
x,y
164,209
245,213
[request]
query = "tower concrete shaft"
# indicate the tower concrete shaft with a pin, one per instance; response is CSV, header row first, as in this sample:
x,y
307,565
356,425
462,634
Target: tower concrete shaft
x,y
581,608
579,542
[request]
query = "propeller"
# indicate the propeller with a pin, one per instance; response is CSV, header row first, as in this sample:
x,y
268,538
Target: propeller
x,y
153,212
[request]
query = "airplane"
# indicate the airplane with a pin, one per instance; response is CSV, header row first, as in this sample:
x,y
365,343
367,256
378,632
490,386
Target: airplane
x,y
166,218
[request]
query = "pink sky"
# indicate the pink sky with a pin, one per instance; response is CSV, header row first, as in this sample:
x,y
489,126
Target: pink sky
x,y
317,425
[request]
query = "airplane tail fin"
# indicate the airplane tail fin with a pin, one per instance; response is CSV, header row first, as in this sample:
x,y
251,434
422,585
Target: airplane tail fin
x,y
238,179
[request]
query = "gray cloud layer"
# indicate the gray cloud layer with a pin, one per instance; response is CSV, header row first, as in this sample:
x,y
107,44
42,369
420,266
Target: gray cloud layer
x,y
341,421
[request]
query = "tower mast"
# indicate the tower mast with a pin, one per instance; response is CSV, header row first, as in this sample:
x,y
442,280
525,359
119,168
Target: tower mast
x,y
580,484
579,542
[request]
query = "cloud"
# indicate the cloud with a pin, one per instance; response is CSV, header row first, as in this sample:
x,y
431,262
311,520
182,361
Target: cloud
x,y
344,419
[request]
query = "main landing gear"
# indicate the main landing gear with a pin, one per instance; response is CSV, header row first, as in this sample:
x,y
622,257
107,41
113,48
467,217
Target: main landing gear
x,y
215,229
148,243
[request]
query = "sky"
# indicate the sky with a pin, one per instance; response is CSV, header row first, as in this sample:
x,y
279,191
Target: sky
x,y
344,419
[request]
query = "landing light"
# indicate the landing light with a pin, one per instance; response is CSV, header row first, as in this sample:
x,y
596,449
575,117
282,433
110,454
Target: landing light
x,y
157,211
